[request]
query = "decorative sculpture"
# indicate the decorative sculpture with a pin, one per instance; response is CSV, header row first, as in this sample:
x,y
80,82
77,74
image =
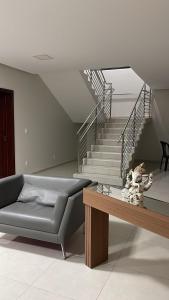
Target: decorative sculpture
x,y
136,183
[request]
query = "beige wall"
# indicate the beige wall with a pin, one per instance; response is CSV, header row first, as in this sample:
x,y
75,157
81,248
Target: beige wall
x,y
72,93
158,129
122,107
50,138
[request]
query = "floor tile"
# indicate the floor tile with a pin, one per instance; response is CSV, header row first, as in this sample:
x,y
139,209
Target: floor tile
x,y
36,247
71,278
11,289
119,234
138,265
39,294
160,188
6,239
134,286
149,254
64,170
23,266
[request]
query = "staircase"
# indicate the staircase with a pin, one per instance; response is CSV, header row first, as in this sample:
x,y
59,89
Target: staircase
x,y
106,145
103,161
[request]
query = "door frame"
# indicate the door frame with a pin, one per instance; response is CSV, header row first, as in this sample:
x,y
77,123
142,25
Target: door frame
x,y
11,93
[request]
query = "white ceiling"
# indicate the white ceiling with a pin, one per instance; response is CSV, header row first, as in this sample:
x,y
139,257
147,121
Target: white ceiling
x,y
87,34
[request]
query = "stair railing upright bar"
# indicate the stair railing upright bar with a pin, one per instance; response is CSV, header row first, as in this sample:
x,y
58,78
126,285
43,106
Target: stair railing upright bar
x,y
134,124
97,80
101,112
88,117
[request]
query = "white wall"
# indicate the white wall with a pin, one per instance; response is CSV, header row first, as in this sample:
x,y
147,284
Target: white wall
x,y
50,139
122,107
126,83
158,129
72,93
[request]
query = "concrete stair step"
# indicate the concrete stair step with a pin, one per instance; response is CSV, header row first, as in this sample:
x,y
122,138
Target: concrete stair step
x,y
102,162
112,136
114,125
101,170
106,148
112,130
104,155
104,179
118,120
109,142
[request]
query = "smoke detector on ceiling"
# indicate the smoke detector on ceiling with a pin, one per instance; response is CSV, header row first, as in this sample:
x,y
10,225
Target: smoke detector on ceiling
x,y
43,57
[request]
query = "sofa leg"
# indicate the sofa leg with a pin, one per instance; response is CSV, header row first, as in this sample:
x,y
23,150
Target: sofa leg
x,y
63,251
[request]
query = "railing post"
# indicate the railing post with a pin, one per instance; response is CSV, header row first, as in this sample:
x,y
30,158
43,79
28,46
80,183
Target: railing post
x,y
122,155
91,77
134,127
96,126
110,100
78,153
144,101
104,91
103,97
149,106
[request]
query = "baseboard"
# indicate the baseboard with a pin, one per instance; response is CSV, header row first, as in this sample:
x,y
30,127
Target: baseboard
x,y
61,164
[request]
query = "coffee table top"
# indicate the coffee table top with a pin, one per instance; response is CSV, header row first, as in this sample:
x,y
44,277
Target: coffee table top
x,y
151,204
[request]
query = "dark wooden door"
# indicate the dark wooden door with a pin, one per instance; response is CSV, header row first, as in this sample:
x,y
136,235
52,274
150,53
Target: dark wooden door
x,y
7,141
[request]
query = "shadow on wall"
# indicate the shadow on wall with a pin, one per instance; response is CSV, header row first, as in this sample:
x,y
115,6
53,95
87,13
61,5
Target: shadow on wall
x,y
148,148
156,130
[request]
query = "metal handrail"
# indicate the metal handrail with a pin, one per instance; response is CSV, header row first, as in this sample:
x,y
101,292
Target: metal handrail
x,y
88,117
97,115
128,137
87,133
132,111
95,107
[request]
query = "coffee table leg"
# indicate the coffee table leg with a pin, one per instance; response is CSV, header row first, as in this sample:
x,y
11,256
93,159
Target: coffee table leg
x,y
96,236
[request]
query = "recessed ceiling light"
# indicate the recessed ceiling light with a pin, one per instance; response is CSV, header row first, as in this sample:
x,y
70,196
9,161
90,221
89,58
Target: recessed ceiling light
x,y
43,57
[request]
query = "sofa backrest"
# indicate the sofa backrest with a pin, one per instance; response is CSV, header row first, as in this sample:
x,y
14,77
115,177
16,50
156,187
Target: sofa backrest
x,y
10,188
68,186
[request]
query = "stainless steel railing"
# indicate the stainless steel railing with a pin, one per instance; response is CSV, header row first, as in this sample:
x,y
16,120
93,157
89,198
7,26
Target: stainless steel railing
x,y
99,114
133,126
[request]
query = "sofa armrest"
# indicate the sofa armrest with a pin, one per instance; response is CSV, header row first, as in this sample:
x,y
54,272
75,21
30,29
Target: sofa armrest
x,y
10,188
73,217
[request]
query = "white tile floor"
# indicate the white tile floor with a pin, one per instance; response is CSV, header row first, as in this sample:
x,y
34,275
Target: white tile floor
x,y
63,170
138,266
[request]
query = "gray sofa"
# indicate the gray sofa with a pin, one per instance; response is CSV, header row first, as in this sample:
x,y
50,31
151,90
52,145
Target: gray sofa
x,y
38,221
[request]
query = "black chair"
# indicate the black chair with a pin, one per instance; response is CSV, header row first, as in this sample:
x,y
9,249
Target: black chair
x,y
165,150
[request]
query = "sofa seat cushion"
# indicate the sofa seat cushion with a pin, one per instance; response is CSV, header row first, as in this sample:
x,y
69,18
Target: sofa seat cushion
x,y
34,216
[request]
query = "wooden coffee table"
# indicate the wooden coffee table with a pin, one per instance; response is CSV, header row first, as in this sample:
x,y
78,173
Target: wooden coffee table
x,y
155,218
